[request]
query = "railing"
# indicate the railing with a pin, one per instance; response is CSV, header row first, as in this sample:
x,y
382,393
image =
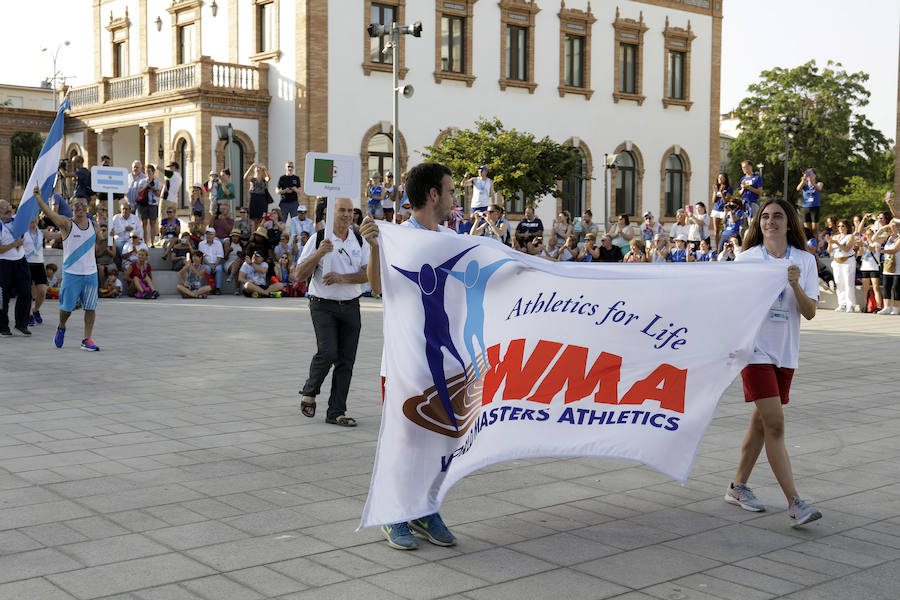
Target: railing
x,y
81,96
176,78
203,73
235,76
22,167
125,87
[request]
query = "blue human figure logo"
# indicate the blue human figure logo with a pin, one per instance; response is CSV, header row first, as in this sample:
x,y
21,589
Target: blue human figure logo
x,y
432,283
475,280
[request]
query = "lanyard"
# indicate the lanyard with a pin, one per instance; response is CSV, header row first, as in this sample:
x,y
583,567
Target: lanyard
x,y
416,224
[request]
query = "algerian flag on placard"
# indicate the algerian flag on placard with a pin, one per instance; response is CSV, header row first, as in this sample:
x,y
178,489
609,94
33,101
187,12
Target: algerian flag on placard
x,y
332,175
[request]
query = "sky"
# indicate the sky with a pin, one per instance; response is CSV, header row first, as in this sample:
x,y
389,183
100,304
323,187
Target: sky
x,y
756,35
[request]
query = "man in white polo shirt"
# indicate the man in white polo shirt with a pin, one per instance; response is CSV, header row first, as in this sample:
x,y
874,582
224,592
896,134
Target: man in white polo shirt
x,y
338,268
214,256
14,274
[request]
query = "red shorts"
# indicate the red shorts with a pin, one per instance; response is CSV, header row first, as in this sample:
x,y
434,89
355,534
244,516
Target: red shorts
x,y
766,381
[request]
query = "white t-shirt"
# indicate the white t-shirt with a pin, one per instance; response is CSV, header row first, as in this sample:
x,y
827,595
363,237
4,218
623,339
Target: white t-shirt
x,y
347,258
481,192
211,252
388,200
253,275
871,257
698,232
677,230
34,247
298,227
6,239
778,340
175,188
119,223
843,239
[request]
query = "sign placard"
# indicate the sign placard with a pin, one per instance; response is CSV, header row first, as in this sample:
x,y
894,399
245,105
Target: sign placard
x,y
109,179
332,175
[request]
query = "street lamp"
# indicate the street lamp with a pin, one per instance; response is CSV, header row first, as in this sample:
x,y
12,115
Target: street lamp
x,y
609,162
790,127
374,30
56,74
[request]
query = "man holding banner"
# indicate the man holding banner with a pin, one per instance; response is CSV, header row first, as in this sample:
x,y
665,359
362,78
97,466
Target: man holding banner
x,y
79,280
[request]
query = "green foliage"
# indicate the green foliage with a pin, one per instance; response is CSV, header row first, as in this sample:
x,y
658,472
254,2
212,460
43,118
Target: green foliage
x,y
26,143
859,196
833,138
516,160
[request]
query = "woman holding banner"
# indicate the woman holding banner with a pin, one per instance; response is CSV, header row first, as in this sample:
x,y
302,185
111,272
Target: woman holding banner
x,y
776,234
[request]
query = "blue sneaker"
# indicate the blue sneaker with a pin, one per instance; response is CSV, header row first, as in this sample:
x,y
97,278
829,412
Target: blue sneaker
x,y
31,321
37,317
60,336
434,530
399,536
89,345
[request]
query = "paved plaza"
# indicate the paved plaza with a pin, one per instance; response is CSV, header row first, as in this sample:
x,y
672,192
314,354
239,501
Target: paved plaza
x,y
175,464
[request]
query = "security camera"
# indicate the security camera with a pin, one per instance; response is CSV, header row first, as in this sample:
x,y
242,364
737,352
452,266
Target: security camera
x,y
375,29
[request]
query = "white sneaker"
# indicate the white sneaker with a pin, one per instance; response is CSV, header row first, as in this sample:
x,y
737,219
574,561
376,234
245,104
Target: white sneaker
x,y
840,308
896,311
887,310
856,308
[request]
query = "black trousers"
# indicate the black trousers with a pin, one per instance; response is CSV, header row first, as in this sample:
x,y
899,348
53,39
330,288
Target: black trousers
x,y
15,275
337,337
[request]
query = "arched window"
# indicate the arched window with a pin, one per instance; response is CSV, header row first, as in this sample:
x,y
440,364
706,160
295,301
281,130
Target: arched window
x,y
626,179
381,154
235,162
181,153
574,187
674,184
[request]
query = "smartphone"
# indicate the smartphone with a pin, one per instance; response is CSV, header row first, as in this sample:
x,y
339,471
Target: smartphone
x,y
689,209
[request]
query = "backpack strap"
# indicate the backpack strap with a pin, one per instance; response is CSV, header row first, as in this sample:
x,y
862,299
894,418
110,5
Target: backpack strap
x,y
320,235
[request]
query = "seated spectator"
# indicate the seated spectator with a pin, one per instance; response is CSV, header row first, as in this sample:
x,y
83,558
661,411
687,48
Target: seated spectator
x,y
111,287
698,224
284,274
169,229
222,223
234,254
705,253
731,249
214,256
196,228
104,254
465,226
124,224
244,223
102,215
569,251
589,252
680,252
54,277
550,251
636,252
285,247
734,217
607,252
680,226
621,233
140,276
301,223
253,278
659,251
649,228
528,228
588,226
562,228
193,276
488,224
178,251
534,247
259,242
824,272
130,250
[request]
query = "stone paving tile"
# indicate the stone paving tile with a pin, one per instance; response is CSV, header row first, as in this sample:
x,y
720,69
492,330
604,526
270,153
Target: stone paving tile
x,y
646,566
344,590
34,563
113,549
431,580
573,584
498,565
753,579
703,587
165,592
32,589
266,581
564,549
732,543
12,542
218,586
195,535
251,552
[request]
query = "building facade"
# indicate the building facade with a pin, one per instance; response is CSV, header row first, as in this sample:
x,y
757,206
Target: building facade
x,y
635,78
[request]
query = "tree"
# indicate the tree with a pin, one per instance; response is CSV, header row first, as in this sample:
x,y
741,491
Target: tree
x,y
833,138
858,197
517,161
26,143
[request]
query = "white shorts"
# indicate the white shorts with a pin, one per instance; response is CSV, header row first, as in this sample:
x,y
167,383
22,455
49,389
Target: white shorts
x,y
717,214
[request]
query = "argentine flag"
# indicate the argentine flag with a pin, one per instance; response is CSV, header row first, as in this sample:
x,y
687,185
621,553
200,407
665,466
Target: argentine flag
x,y
43,174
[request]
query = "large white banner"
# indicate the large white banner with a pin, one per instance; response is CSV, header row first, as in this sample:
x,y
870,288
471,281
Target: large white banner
x,y
560,359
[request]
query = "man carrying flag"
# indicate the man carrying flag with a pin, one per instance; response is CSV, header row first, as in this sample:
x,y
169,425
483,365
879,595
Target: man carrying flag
x,y
79,279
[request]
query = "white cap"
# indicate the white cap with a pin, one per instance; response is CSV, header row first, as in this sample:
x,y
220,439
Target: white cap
x,y
681,238
301,208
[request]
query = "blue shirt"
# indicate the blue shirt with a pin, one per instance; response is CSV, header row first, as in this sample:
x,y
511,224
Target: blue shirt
x,y
709,256
756,181
676,255
465,227
810,195
732,227
720,198
375,192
